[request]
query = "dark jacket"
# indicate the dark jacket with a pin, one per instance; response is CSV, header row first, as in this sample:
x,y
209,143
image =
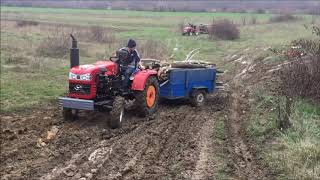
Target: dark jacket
x,y
133,59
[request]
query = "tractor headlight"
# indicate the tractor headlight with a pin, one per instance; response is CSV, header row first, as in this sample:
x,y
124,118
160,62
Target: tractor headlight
x,y
85,77
72,75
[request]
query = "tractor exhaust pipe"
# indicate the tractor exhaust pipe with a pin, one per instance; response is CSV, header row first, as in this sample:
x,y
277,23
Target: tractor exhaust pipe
x,y
74,52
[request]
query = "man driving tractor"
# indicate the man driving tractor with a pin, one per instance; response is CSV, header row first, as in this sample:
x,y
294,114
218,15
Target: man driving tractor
x,y
131,64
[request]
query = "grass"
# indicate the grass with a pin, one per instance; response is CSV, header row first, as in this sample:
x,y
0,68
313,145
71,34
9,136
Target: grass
x,y
20,59
224,171
295,152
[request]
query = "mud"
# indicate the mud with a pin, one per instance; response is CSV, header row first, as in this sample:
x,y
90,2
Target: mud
x,y
172,145
242,149
177,143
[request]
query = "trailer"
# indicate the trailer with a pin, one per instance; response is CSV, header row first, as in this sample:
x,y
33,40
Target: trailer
x,y
192,84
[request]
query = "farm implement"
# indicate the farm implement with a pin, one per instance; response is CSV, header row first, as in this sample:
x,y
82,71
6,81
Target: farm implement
x,y
98,86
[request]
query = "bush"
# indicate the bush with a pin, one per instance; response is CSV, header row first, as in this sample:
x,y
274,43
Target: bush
x,y
101,34
224,29
261,11
26,23
55,46
180,27
253,20
153,49
283,18
301,76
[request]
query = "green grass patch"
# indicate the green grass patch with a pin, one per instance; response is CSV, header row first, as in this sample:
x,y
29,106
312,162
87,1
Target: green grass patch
x,y
224,170
293,153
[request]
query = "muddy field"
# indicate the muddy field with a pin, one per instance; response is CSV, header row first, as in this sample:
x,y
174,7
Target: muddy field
x,y
177,143
167,146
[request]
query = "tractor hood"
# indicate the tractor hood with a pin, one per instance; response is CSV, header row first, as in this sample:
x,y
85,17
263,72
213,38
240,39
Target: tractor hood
x,y
92,69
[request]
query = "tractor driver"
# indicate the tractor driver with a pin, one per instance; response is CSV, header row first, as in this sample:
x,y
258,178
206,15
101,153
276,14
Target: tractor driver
x,y
133,62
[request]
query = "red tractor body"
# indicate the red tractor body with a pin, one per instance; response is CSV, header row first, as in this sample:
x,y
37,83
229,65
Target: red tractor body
x,y
82,88
190,30
100,87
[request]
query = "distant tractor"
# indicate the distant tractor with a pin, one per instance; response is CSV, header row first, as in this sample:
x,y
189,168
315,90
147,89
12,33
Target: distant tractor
x,y
190,30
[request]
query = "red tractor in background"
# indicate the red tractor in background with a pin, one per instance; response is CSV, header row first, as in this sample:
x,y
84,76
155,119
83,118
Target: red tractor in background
x,y
98,87
190,30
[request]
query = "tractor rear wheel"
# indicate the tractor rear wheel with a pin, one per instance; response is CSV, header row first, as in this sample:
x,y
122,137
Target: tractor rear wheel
x,y
117,112
69,114
147,100
198,98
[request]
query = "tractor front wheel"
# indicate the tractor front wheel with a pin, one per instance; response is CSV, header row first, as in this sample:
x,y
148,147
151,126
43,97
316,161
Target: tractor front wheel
x,y
117,112
147,100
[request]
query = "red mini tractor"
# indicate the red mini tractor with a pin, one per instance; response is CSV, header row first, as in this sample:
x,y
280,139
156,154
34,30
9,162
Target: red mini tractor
x,y
190,30
98,87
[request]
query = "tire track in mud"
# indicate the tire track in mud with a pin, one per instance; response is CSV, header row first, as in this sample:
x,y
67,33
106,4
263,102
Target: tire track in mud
x,y
242,153
166,147
205,164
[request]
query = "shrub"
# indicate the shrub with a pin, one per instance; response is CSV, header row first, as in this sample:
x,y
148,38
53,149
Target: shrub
x,y
253,20
180,27
153,49
244,20
301,76
55,46
26,23
101,34
283,18
224,29
261,11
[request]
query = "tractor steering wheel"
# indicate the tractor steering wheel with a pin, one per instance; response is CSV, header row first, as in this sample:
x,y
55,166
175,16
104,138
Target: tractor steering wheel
x,y
113,58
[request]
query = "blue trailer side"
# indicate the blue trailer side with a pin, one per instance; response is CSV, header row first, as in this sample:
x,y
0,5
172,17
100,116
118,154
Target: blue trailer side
x,y
182,82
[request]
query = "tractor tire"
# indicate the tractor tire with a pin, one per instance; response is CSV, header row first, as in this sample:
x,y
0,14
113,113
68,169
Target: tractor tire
x,y
117,112
69,114
148,99
198,98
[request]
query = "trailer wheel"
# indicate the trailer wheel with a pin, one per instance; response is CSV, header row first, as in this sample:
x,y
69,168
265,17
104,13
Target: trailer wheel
x,y
69,114
198,98
147,100
117,112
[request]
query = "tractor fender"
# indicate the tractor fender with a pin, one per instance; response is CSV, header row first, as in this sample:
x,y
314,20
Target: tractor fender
x,y
140,79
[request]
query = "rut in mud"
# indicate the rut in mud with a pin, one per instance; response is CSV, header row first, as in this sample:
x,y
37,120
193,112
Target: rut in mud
x,y
173,144
240,147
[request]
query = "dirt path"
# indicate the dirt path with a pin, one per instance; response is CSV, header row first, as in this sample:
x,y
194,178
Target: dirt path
x,y
238,114
205,166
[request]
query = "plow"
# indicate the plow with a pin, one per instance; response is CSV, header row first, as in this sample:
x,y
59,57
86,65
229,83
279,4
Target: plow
x,y
98,86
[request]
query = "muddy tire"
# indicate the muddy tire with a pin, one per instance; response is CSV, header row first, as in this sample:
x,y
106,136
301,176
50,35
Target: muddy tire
x,y
69,114
147,100
198,98
117,112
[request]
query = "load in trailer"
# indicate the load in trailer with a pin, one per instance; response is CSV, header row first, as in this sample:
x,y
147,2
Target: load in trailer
x,y
98,87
